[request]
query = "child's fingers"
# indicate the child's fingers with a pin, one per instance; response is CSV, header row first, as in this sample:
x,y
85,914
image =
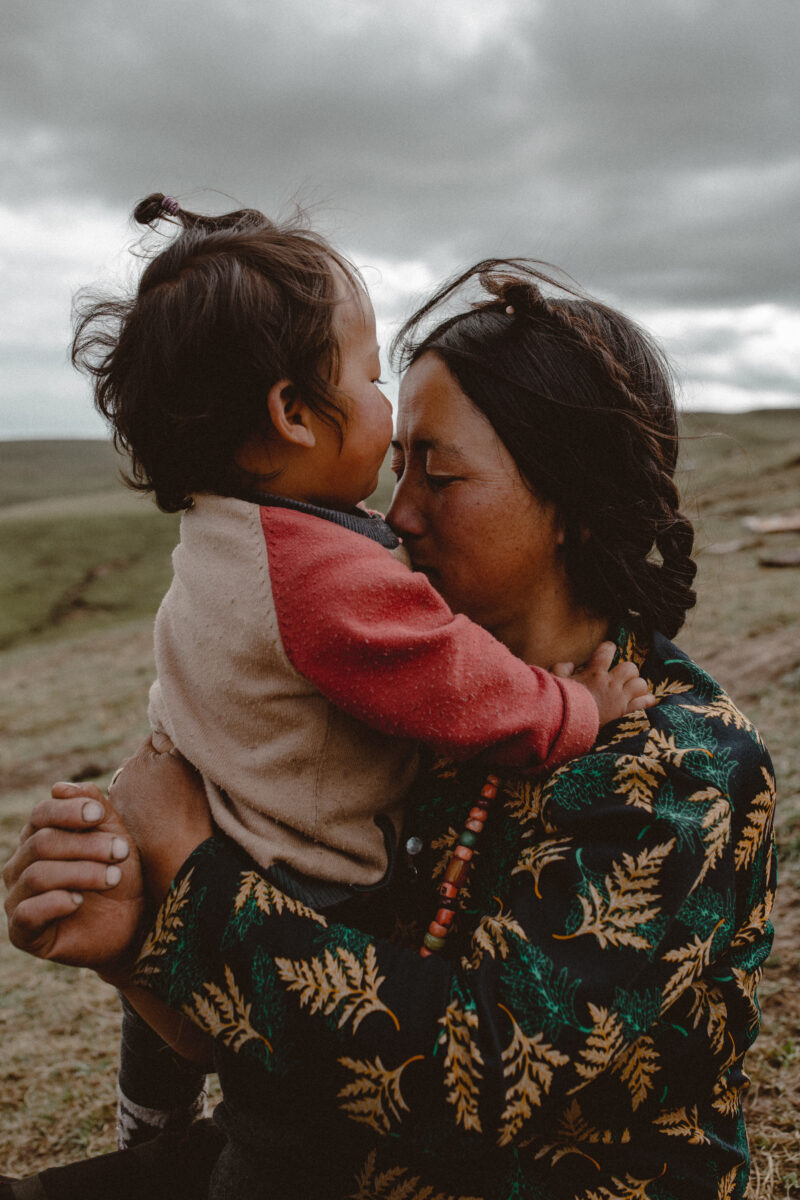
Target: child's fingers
x,y
603,656
624,672
645,700
564,670
637,693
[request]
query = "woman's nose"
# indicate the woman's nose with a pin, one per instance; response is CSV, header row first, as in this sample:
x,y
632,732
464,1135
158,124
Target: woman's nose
x,y
404,514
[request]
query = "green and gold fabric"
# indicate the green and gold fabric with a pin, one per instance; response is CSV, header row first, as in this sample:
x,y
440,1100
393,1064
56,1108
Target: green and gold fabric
x,y
583,1035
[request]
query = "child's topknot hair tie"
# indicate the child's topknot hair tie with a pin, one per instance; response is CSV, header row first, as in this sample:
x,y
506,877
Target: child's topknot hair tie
x,y
155,208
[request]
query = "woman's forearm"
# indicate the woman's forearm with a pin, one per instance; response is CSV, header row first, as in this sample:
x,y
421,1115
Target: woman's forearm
x,y
173,1027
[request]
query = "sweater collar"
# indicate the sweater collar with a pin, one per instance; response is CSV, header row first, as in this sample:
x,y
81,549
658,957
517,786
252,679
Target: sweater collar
x,y
358,520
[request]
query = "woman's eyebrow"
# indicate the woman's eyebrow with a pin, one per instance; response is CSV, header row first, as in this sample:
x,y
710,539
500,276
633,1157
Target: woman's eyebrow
x,y
423,445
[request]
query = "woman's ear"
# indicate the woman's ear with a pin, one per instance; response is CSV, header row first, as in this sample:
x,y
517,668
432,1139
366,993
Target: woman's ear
x,y
290,415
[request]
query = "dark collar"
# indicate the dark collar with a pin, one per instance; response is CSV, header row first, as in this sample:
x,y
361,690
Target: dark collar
x,y
356,519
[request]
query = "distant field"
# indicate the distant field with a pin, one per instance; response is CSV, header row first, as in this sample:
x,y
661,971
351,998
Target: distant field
x,y
78,549
45,469
83,564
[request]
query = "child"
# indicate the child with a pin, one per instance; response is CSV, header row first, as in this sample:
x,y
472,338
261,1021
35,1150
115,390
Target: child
x,y
299,660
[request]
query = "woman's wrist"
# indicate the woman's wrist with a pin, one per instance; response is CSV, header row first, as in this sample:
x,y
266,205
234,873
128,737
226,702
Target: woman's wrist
x,y
119,974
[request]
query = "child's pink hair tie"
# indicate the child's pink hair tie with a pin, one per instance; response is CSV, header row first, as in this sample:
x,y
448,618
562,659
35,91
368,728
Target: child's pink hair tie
x,y
170,205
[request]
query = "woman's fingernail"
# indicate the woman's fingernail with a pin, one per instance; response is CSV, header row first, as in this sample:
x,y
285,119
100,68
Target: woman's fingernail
x,y
113,876
119,848
77,898
92,810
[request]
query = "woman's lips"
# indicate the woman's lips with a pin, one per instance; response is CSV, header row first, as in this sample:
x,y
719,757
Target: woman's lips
x,y
423,568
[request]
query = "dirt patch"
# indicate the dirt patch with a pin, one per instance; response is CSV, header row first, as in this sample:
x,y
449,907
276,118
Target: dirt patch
x,y
749,667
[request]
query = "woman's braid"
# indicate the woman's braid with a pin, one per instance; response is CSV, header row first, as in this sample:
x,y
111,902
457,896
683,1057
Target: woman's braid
x,y
665,587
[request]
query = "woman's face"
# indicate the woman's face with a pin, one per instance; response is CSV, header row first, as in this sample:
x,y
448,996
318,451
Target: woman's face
x,y
468,520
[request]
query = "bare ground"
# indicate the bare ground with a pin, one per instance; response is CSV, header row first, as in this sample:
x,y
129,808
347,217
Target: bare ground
x,y
74,708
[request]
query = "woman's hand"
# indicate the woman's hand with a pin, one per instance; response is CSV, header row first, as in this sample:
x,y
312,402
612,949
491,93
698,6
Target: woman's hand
x,y
162,800
75,891
615,690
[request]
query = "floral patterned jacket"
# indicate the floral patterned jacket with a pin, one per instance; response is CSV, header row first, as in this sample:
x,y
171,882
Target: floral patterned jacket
x,y
582,1036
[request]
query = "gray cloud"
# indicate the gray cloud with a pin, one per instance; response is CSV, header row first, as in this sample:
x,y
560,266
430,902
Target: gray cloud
x,y
649,149
640,143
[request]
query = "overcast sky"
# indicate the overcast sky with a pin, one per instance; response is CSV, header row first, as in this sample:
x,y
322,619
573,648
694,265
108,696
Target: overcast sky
x,y
649,147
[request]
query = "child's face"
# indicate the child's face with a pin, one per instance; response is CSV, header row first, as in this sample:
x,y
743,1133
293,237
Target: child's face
x,y
351,474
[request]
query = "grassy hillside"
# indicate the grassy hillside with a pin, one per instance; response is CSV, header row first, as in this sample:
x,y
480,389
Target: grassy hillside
x,y
83,564
78,549
46,469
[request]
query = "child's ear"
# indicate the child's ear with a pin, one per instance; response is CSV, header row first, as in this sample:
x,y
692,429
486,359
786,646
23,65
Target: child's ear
x,y
289,414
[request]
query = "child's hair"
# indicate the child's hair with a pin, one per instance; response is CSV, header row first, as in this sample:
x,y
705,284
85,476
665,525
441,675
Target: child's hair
x,y
182,367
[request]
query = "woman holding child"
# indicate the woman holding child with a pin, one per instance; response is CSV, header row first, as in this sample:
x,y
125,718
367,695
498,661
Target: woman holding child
x,y
592,935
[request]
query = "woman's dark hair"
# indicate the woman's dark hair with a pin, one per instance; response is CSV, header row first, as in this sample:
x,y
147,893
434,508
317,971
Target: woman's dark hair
x,y
582,399
182,367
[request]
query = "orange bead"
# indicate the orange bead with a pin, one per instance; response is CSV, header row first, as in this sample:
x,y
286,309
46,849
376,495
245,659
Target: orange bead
x,y
445,916
424,952
489,791
440,931
478,814
494,780
447,891
462,852
474,826
456,873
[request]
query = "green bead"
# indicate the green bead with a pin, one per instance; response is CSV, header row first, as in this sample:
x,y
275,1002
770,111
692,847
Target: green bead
x,y
468,838
432,942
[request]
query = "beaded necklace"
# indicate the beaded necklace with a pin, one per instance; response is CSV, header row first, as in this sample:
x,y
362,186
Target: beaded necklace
x,y
457,871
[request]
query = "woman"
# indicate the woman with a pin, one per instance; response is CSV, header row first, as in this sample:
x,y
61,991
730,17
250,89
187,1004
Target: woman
x,y
578,1028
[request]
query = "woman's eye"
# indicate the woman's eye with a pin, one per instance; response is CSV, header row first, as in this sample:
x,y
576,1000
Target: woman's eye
x,y
439,482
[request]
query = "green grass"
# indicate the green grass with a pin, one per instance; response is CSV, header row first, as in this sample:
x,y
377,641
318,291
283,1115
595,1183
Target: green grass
x,y
74,561
101,563
45,469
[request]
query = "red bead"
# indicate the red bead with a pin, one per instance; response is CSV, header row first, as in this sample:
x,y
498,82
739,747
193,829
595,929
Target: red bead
x,y
445,916
489,791
440,931
448,891
424,952
474,826
494,780
456,873
462,852
478,814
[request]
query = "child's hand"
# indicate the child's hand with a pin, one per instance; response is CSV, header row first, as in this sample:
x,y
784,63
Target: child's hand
x,y
615,691
75,883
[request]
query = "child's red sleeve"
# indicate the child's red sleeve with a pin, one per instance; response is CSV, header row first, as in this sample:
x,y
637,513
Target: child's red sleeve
x,y
380,643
